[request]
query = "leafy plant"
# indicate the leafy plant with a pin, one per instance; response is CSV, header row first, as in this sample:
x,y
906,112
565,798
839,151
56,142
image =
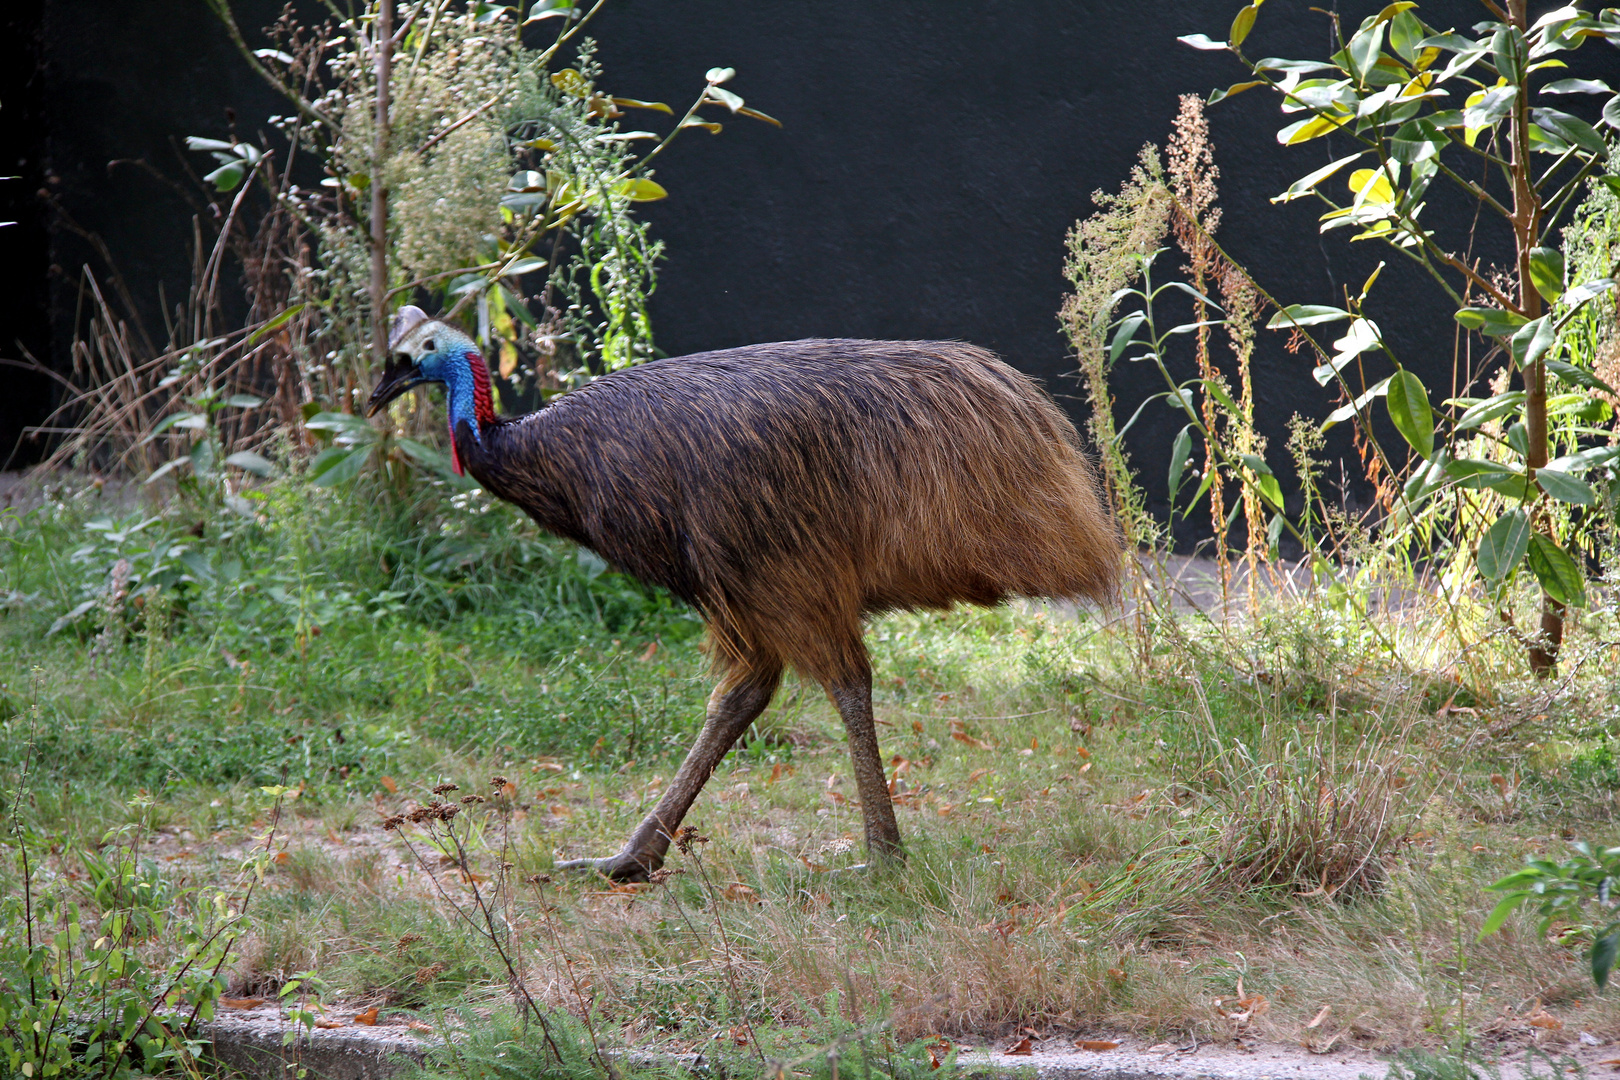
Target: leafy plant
x,y
1420,103
1567,893
80,993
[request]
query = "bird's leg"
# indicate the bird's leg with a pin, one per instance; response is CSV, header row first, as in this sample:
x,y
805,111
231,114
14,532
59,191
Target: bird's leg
x,y
734,705
853,696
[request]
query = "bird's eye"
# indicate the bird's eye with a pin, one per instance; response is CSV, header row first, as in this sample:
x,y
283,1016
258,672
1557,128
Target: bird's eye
x,y
429,346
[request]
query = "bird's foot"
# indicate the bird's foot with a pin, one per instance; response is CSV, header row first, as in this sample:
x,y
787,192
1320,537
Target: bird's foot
x,y
626,866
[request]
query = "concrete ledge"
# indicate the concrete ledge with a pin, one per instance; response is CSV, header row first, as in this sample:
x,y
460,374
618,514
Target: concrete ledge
x,y
251,1043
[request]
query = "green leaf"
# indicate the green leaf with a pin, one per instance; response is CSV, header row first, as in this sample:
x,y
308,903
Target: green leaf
x,y
1305,315
1217,96
274,324
1242,25
188,421
1499,914
193,142
716,76
1560,578
243,401
1547,272
1492,322
1572,129
1503,546
1611,116
1408,404
1603,954
1565,487
1180,454
1128,326
1353,408
550,9
1491,408
1586,290
1417,140
524,266
1307,183
251,462
640,189
1508,52
1577,86
1532,341
1575,376
227,177
337,464
1215,390
1201,41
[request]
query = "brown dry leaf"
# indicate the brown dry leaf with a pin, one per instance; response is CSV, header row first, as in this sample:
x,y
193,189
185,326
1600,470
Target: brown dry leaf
x,y
1082,752
1321,1016
977,744
935,1057
417,1025
1021,1047
1096,1044
739,1036
281,858
550,764
917,727
241,1003
389,783
976,775
1117,974
650,652
1610,1061
736,890
368,1018
1541,1018
331,1023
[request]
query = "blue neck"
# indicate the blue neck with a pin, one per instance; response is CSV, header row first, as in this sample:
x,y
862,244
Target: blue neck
x,y
460,388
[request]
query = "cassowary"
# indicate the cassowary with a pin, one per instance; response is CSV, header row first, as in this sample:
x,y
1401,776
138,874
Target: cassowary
x,y
788,492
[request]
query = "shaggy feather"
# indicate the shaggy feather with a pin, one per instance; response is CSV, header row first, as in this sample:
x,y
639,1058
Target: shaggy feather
x,y
790,490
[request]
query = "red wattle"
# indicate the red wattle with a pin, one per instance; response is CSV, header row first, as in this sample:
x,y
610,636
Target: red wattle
x,y
455,458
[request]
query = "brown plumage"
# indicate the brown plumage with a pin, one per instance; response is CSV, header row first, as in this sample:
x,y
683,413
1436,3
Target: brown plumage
x,y
789,491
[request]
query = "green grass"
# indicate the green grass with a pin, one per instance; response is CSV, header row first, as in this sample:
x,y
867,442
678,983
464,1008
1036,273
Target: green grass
x,y
1108,827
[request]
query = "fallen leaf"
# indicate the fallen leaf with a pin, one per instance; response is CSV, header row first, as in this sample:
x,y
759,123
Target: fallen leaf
x,y
736,890
739,1036
1321,1016
977,744
1117,974
417,1025
1083,752
390,783
975,775
331,1023
1021,1047
1096,1044
368,1018
241,1003
1541,1018
651,651
282,858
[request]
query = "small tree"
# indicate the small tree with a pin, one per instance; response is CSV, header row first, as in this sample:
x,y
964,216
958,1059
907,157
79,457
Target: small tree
x,y
1393,86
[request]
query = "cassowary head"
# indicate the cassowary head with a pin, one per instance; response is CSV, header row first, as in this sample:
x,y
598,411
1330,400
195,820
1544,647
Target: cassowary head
x,y
424,350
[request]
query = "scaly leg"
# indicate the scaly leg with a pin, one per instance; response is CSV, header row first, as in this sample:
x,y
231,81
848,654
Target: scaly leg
x,y
734,705
853,696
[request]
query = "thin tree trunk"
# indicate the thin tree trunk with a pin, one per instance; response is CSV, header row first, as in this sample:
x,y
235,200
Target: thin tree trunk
x,y
1527,211
383,36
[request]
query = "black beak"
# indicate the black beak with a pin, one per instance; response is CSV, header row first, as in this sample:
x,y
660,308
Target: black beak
x,y
398,377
